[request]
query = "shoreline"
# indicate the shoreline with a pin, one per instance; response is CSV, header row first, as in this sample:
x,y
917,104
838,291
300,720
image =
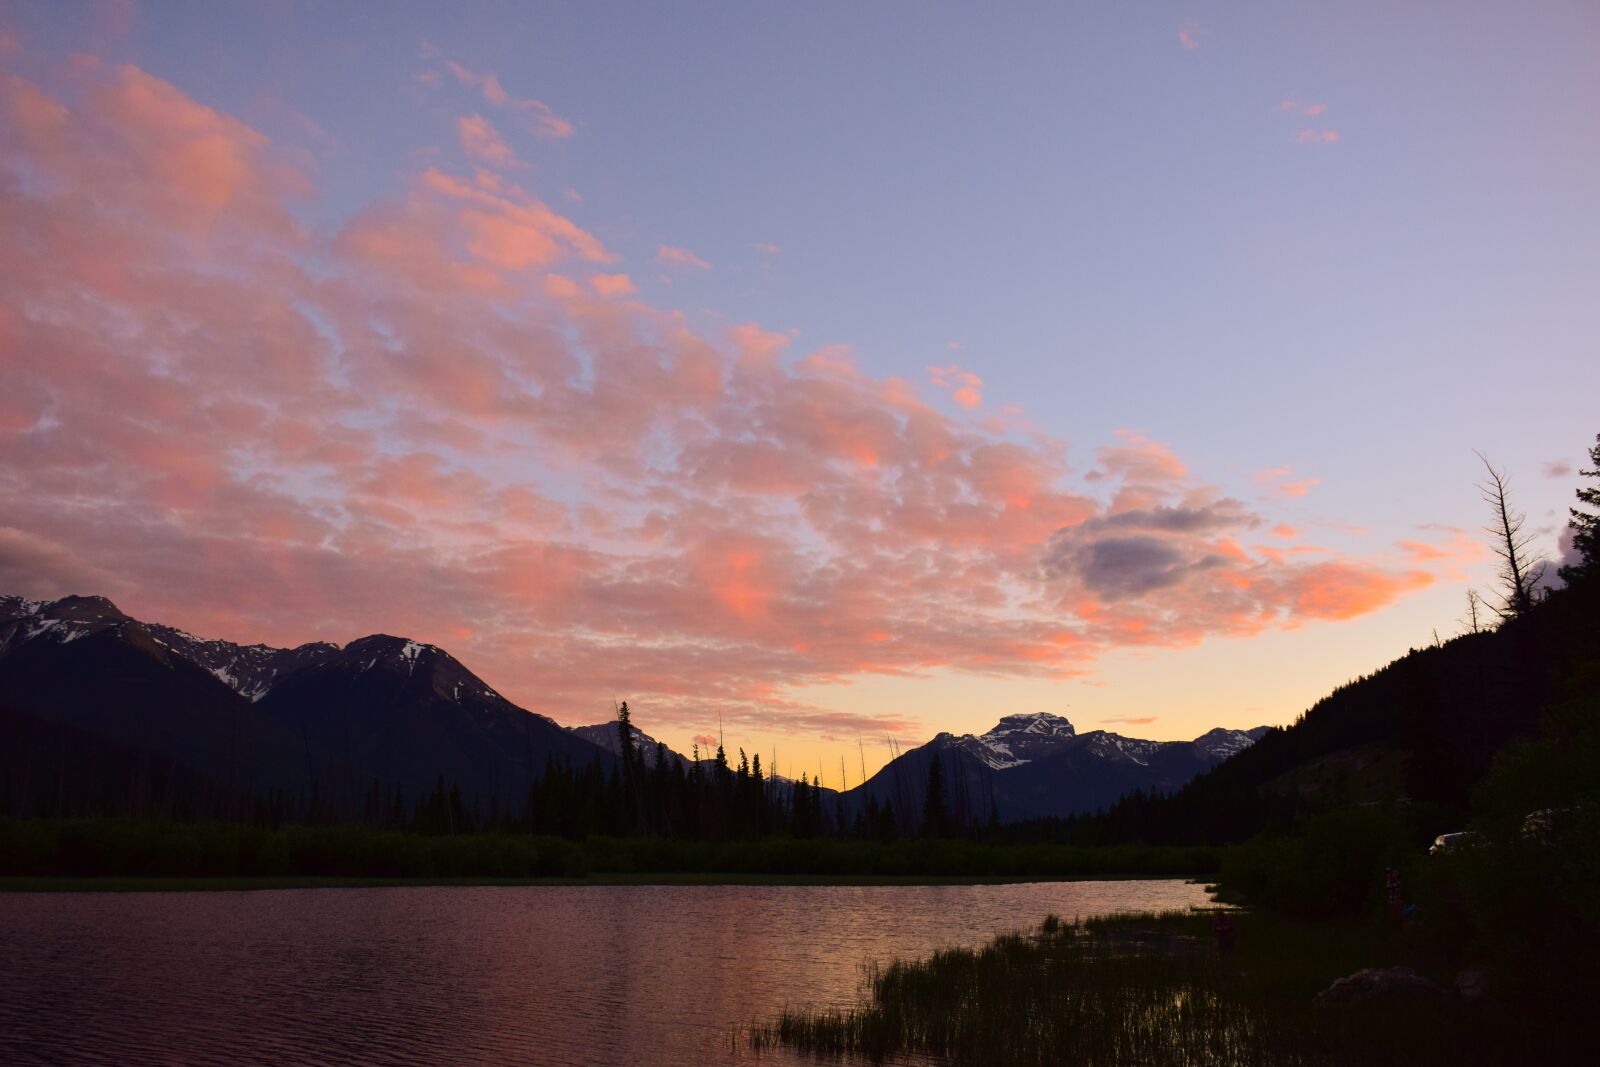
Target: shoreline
x,y
138,884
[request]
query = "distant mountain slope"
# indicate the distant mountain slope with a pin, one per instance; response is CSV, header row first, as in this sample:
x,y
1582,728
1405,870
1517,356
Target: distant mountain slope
x,y
605,735
405,713
1037,766
393,714
381,711
82,663
248,670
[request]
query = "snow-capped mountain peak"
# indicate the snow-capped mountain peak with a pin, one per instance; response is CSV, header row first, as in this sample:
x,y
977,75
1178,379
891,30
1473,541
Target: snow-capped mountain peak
x,y
249,670
62,621
1222,743
1016,739
1037,724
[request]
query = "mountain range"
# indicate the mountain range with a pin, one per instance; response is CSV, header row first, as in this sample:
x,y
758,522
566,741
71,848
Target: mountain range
x,y
1032,766
83,683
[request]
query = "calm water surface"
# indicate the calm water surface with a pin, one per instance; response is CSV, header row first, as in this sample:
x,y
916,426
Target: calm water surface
x,y
494,975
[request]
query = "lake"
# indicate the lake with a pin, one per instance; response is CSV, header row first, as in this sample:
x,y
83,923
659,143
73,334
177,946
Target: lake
x,y
493,975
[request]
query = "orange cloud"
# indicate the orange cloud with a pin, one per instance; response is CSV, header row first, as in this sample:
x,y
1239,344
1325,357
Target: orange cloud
x,y
1339,590
1450,557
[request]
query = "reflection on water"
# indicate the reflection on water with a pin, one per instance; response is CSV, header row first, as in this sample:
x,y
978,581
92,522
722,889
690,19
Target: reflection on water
x,y
538,975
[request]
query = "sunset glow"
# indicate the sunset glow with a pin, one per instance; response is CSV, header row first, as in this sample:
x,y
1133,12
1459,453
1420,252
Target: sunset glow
x,y
301,343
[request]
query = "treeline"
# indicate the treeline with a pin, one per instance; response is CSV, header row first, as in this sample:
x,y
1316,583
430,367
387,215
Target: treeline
x,y
159,849
711,799
52,770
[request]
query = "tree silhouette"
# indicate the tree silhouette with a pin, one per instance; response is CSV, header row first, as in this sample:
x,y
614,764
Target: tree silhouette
x,y
631,760
1473,621
1520,571
935,811
625,744
1585,525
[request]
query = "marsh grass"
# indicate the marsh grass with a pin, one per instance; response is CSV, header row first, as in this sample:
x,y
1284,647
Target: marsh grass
x,y
1146,989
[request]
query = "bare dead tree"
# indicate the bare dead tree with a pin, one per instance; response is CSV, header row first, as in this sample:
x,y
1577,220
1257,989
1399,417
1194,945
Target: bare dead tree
x,y
1473,620
1520,570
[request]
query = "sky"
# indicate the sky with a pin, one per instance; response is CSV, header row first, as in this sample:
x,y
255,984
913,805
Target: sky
x,y
807,375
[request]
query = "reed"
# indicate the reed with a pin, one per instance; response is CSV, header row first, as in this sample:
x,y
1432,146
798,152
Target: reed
x,y
1130,990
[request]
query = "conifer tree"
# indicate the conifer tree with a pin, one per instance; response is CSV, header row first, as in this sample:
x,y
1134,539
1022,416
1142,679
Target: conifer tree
x,y
1585,525
625,744
935,812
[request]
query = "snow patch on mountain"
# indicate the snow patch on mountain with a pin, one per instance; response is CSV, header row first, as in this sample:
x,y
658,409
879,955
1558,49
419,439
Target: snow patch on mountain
x,y
1018,739
605,735
1222,743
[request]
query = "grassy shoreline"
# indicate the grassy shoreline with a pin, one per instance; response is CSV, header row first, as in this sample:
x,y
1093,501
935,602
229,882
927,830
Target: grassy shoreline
x,y
234,884
1160,988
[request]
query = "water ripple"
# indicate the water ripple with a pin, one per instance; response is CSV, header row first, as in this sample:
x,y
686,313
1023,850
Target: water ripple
x,y
546,975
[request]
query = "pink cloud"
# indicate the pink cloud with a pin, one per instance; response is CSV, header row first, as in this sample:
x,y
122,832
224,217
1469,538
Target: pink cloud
x,y
1449,558
465,233
967,388
680,257
613,285
481,141
488,84
768,250
1312,135
1280,481
1189,35
1294,106
535,115
1138,461
542,121
256,427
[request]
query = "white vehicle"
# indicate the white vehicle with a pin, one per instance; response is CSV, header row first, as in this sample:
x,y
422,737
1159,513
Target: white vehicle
x,y
1457,841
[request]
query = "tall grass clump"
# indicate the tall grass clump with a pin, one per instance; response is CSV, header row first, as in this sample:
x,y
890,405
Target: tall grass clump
x,y
1148,989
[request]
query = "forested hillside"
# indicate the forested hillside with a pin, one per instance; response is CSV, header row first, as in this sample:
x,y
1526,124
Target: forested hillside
x,y
1423,730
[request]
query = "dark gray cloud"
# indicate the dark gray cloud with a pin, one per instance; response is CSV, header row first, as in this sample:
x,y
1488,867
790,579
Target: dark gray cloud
x,y
1223,514
1136,552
